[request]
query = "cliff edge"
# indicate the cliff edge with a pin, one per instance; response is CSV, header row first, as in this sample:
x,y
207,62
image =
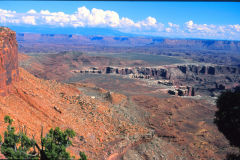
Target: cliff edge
x,y
8,60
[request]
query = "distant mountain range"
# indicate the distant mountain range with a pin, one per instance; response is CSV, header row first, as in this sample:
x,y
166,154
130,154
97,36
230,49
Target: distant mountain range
x,y
70,30
125,41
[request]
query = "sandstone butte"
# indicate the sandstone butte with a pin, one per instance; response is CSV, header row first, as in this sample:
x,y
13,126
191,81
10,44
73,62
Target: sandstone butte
x,y
34,103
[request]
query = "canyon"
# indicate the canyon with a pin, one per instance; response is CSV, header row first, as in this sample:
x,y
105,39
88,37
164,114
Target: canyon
x,y
180,77
221,52
199,78
119,108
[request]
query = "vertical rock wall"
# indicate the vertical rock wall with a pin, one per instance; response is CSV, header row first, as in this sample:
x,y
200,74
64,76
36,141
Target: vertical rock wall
x,y
8,60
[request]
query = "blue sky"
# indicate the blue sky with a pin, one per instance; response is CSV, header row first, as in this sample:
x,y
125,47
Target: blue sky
x,y
213,20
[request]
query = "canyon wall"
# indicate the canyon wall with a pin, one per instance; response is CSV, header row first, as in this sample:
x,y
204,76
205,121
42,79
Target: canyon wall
x,y
192,79
169,72
8,60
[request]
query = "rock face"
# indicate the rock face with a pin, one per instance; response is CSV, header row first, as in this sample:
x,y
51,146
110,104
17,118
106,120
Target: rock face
x,y
169,71
8,60
189,79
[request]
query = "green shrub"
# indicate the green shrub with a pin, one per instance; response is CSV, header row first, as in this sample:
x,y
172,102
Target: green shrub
x,y
17,145
82,156
227,117
56,142
53,145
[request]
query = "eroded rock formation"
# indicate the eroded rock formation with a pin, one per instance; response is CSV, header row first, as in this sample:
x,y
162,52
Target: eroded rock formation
x,y
8,60
194,78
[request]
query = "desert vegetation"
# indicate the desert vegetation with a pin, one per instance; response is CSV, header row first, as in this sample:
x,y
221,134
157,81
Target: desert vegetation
x,y
52,146
227,118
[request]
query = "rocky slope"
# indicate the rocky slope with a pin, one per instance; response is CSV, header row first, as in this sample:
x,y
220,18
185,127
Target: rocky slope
x,y
187,124
184,127
113,126
8,60
35,103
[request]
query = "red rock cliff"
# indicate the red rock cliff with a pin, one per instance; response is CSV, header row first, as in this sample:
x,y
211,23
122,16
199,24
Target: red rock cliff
x,y
8,60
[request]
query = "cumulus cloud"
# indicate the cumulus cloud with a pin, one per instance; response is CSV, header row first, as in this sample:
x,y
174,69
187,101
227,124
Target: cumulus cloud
x,y
149,21
189,24
32,11
29,20
192,27
172,27
83,17
212,31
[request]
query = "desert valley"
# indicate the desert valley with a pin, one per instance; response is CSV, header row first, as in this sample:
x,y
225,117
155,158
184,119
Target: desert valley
x,y
125,97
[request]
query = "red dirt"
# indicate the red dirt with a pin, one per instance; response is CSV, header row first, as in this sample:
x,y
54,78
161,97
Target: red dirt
x,y
187,123
32,104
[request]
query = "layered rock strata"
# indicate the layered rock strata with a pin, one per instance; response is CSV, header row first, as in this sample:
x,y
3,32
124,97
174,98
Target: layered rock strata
x,y
8,60
188,79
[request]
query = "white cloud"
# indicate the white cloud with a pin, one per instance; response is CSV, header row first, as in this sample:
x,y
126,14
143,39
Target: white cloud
x,y
2,11
235,27
151,21
83,13
168,30
172,28
29,20
172,25
32,11
148,23
126,22
189,24
84,17
44,12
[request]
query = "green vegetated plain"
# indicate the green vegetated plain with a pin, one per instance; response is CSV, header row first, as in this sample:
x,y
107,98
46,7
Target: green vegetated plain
x,y
119,84
149,58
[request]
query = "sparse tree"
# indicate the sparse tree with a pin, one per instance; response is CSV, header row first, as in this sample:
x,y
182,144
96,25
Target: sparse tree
x,y
56,142
53,145
17,145
82,156
227,117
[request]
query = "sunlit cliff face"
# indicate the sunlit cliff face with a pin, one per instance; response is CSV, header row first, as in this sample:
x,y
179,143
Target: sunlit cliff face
x,y
8,59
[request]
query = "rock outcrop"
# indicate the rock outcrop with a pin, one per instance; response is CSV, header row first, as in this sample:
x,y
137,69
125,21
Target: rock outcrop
x,y
167,72
188,79
8,60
